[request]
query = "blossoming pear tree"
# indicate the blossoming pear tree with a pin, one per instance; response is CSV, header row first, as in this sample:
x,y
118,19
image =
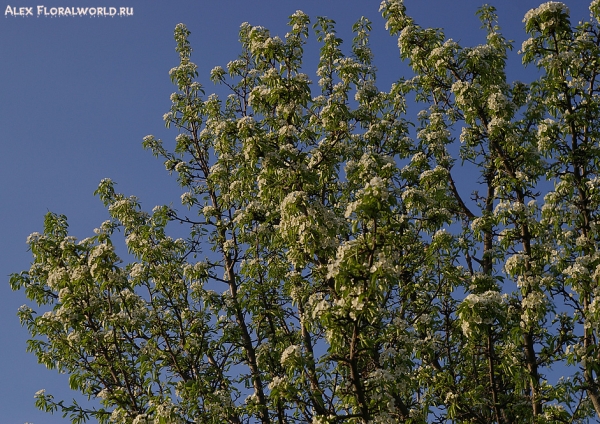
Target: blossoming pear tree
x,y
337,268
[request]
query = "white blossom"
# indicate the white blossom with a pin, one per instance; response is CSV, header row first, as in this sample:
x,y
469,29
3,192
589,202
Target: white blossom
x,y
549,7
290,354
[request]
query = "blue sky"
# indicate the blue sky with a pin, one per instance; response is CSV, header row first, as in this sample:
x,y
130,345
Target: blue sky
x,y
78,94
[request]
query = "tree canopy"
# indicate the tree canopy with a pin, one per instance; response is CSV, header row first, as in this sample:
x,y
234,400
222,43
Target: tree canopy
x,y
336,267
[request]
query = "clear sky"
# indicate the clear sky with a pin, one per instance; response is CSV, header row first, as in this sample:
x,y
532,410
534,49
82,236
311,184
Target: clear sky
x,y
78,94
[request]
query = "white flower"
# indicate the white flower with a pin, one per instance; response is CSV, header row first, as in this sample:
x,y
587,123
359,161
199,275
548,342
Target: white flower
x,y
251,399
136,270
318,304
55,277
217,72
290,353
63,293
497,102
245,123
478,224
550,7
140,419
451,397
478,309
288,131
276,383
526,45
229,244
515,263
34,238
480,51
73,337
187,198
209,211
